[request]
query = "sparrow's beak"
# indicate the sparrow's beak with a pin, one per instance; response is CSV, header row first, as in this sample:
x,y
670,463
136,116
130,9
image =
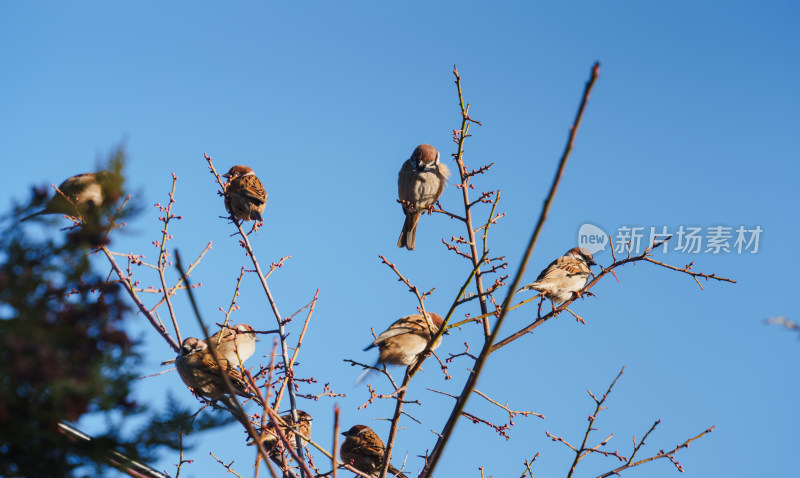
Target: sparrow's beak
x,y
592,263
345,434
226,176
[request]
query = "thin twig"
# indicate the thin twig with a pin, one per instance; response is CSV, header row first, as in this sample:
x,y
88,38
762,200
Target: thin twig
x,y
460,137
162,255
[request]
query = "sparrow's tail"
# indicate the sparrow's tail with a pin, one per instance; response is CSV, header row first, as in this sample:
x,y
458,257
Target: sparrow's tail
x,y
365,374
409,232
530,286
43,211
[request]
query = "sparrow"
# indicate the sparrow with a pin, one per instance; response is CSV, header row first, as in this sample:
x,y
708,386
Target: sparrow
x,y
270,438
565,276
406,338
235,343
363,449
85,191
420,183
200,372
229,340
245,196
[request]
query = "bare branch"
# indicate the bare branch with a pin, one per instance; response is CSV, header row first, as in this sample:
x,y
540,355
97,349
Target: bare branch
x,y
436,453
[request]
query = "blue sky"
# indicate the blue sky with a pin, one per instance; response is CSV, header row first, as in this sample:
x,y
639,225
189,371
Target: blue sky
x,y
693,122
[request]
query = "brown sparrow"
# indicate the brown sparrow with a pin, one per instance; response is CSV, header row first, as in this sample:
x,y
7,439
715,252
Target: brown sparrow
x,y
565,276
304,428
420,183
235,343
85,192
245,196
200,372
406,338
363,449
229,340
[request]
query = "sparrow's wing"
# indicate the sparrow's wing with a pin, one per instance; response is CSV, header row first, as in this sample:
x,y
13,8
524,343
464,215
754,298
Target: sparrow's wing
x,y
562,267
405,183
407,325
573,266
370,446
239,385
72,186
253,189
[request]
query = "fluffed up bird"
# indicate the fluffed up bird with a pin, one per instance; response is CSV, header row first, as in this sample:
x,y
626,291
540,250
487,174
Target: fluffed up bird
x,y
363,449
420,183
245,196
84,192
229,340
271,438
406,338
565,276
234,342
200,372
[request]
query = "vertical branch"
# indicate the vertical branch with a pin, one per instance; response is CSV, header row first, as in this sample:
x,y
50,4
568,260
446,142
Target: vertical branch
x,y
162,256
461,137
284,383
335,438
281,330
436,453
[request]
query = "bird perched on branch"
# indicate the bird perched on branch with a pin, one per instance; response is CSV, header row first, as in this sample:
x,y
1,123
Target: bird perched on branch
x,y
80,194
229,340
200,372
420,183
363,449
245,196
406,338
565,276
234,342
271,438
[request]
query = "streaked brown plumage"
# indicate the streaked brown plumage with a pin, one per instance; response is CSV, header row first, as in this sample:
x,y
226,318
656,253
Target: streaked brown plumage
x,y
245,196
233,338
199,371
406,338
85,192
364,449
420,183
565,276
304,428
